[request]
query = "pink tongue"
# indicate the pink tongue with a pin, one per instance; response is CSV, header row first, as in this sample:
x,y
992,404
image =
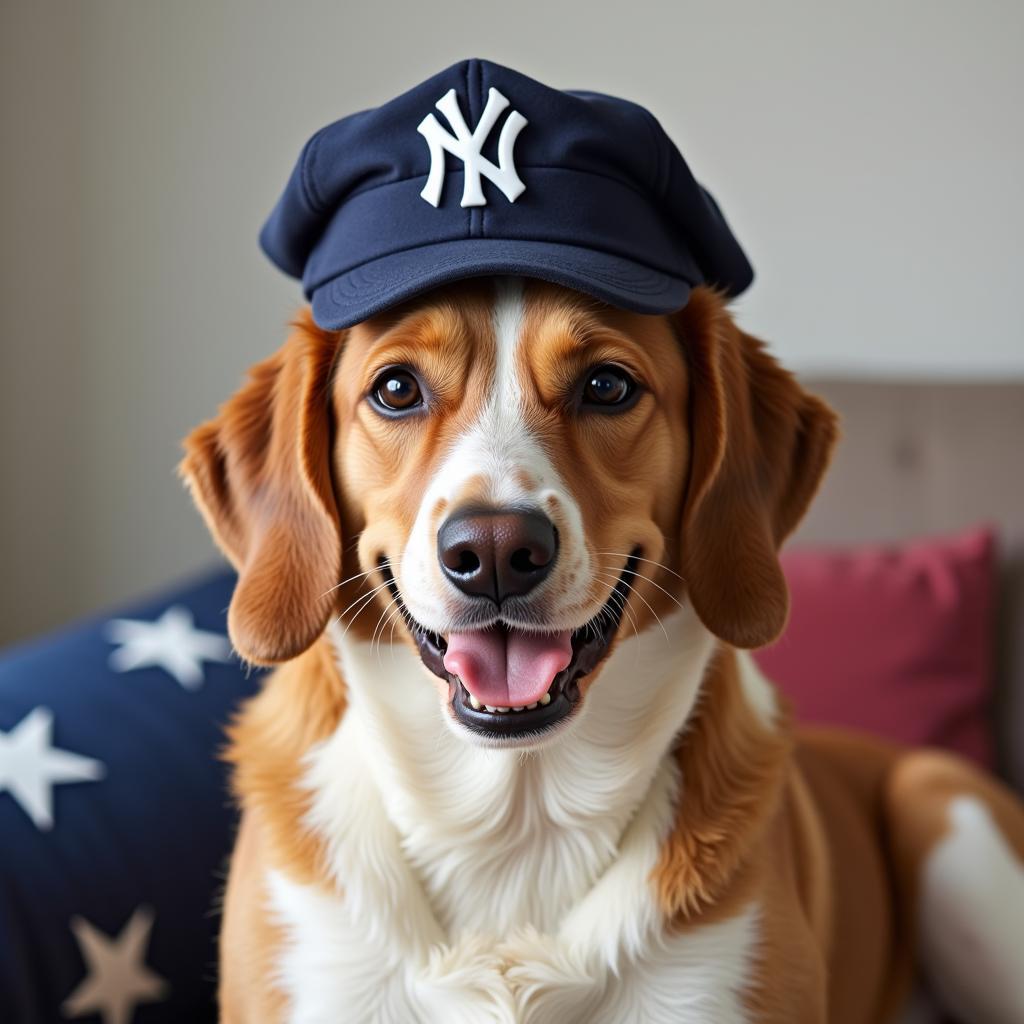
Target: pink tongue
x,y
506,669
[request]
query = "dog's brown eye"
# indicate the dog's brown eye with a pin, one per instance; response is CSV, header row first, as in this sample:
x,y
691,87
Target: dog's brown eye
x,y
398,391
608,386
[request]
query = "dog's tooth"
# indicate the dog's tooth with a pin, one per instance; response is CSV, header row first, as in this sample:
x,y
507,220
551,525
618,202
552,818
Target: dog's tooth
x,y
522,707
502,711
546,699
530,707
489,708
476,705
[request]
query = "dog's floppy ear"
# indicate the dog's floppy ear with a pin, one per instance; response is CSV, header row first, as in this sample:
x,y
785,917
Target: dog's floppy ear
x,y
759,447
260,474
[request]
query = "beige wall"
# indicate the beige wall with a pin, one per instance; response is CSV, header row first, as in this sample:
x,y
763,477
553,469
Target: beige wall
x,y
869,155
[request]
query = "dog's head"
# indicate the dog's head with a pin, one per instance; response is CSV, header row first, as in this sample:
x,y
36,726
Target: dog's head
x,y
510,474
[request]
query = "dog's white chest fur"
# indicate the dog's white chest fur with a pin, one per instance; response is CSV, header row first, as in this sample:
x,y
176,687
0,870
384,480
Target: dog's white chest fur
x,y
489,885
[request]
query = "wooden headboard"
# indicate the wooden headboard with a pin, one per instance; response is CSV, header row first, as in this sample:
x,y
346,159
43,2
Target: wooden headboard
x,y
924,458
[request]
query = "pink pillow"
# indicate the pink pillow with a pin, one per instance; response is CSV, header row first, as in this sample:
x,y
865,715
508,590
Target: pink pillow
x,y
894,640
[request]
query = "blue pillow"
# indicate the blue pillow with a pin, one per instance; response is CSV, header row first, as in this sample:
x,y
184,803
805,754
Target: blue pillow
x,y
115,818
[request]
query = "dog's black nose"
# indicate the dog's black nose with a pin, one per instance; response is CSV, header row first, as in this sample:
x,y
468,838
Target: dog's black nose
x,y
497,554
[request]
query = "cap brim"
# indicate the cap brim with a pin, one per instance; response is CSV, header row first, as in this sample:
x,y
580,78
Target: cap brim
x,y
385,282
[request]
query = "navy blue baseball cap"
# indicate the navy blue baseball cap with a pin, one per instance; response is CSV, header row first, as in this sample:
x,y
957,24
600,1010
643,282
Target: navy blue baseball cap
x,y
481,170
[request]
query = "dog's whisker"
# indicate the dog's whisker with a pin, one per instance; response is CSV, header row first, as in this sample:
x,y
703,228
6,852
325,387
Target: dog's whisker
x,y
396,616
381,624
391,611
629,586
362,597
358,575
367,600
638,558
380,618
667,593
624,608
622,605
604,613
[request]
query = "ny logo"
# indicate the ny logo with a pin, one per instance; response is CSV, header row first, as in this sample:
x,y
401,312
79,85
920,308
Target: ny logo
x,y
467,147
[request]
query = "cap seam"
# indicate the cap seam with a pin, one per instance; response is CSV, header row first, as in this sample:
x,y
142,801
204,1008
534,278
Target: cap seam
x,y
481,221
310,191
660,184
470,65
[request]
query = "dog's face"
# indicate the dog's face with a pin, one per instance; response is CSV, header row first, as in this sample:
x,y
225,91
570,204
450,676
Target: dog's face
x,y
511,458
508,475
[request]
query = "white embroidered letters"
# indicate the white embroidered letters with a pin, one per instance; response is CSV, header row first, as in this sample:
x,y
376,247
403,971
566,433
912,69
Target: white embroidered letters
x,y
468,146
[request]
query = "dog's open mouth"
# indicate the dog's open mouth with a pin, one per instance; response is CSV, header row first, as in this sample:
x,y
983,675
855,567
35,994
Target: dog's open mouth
x,y
506,682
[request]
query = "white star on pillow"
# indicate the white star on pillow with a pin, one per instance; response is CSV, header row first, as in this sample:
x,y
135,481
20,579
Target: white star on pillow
x,y
172,643
30,766
118,978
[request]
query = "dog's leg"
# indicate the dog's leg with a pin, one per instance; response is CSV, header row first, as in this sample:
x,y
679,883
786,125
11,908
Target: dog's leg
x,y
958,843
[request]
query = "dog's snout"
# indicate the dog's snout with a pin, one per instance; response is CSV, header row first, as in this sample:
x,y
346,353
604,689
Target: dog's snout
x,y
497,554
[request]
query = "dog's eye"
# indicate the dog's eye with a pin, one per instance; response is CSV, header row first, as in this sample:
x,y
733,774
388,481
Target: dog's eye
x,y
397,391
608,387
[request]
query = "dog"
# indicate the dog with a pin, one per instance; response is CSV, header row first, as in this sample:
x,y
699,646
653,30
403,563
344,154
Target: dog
x,y
510,546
